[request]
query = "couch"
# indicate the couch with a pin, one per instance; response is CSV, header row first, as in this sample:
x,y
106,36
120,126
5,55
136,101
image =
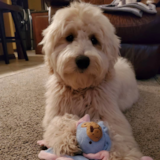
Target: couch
x,y
140,37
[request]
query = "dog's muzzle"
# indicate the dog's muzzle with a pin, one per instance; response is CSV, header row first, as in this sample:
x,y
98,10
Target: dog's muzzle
x,y
82,62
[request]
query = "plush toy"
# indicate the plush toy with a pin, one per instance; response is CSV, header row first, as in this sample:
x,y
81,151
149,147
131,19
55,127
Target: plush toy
x,y
92,138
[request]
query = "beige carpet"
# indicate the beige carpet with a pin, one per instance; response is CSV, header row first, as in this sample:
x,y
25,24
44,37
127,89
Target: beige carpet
x,y
22,107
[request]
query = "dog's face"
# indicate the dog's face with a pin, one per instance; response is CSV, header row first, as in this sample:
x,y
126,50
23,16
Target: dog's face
x,y
80,45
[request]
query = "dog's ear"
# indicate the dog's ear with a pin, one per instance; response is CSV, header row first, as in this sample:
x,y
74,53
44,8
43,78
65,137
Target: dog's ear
x,y
113,50
111,43
49,41
46,49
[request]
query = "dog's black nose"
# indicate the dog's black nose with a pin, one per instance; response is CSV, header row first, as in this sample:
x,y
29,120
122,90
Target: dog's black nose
x,y
82,62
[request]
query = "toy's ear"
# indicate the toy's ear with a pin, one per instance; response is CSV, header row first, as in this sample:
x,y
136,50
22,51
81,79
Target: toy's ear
x,y
86,118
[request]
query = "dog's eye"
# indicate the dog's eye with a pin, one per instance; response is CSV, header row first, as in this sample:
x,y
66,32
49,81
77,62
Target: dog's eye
x,y
94,40
90,142
70,38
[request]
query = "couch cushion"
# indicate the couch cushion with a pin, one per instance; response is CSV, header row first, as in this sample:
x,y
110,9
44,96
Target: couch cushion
x,y
98,1
145,59
109,1
132,29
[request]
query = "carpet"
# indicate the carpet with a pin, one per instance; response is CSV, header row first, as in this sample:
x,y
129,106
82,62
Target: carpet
x,y
22,108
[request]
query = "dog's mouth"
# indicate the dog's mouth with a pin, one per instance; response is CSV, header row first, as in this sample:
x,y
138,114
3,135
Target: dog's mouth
x,y
81,71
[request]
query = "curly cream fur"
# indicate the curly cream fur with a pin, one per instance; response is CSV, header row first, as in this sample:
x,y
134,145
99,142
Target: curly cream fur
x,y
105,89
61,135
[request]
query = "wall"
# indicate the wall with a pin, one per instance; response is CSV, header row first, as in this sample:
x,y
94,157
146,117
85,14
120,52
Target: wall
x,y
35,4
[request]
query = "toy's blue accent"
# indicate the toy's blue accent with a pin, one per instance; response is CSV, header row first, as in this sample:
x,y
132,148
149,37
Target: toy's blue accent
x,y
84,141
108,143
49,150
77,157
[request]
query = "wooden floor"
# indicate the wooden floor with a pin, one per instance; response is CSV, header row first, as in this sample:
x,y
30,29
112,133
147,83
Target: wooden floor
x,y
19,65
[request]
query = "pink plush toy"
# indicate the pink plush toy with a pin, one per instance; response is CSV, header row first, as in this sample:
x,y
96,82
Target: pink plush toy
x,y
95,145
146,158
101,155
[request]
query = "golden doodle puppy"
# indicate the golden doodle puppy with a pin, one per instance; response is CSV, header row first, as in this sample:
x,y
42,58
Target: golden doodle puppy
x,y
87,76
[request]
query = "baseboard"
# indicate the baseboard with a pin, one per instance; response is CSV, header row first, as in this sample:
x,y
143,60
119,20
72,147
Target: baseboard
x,y
10,56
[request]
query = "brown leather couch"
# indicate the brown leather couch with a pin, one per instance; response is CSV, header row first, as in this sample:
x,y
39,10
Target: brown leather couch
x,y
140,37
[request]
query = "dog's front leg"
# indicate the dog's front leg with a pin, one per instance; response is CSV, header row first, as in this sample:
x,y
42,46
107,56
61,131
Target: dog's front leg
x,y
124,146
50,114
46,120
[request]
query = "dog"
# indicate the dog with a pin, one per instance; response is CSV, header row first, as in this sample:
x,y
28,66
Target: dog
x,y
87,76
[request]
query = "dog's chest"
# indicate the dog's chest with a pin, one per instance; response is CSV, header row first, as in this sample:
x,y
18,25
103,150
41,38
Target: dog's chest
x,y
84,102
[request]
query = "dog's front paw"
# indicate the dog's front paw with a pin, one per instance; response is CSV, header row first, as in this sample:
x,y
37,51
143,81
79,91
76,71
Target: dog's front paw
x,y
47,156
119,156
146,158
64,158
42,143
